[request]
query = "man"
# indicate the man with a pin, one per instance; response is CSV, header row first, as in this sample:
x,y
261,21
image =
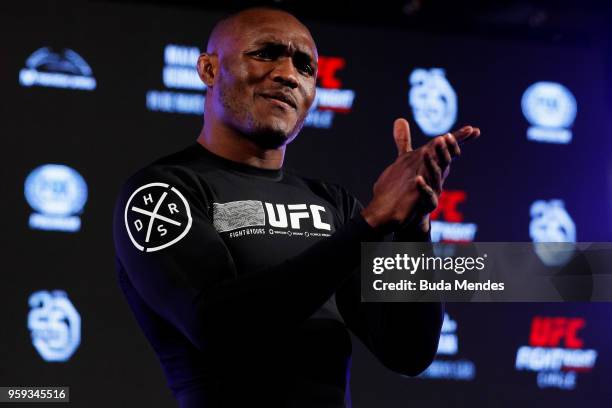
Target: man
x,y
243,275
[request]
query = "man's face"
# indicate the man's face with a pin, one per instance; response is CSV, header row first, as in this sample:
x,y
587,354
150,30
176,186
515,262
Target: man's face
x,y
267,78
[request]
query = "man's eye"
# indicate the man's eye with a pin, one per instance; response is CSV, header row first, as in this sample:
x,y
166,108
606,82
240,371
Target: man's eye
x,y
304,65
307,68
265,54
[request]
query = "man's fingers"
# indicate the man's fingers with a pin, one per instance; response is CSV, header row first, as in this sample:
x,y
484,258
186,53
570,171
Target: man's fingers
x,y
466,133
463,134
453,146
436,174
473,134
476,133
429,199
444,156
423,186
401,135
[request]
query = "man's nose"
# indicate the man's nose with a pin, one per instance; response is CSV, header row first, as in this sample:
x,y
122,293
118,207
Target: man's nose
x,y
285,73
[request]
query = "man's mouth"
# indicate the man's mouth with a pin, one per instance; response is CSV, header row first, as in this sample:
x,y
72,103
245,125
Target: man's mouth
x,y
286,99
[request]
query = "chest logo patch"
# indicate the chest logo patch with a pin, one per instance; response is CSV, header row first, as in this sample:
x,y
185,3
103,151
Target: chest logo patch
x,y
156,216
285,219
238,214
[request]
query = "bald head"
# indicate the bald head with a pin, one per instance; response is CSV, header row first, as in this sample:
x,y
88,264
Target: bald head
x,y
235,24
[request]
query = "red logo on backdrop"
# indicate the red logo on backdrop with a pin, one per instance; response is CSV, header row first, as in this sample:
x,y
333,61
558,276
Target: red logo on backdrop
x,y
330,98
447,206
328,67
556,352
447,220
551,331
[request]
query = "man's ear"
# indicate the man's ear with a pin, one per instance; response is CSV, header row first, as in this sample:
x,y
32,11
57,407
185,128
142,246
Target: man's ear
x,y
207,68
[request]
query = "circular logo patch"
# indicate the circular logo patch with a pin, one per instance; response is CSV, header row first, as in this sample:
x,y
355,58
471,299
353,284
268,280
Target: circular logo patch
x,y
156,216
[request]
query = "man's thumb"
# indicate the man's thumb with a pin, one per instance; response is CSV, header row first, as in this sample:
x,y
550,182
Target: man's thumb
x,y
401,134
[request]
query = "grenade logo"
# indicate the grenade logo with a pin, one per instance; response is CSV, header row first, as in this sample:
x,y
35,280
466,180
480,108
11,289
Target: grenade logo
x,y
54,324
551,223
433,101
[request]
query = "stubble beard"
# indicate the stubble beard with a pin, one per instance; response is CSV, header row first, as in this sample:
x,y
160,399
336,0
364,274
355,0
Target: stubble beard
x,y
263,135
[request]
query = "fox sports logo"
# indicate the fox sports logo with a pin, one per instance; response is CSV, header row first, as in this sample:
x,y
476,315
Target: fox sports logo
x,y
433,101
549,104
56,189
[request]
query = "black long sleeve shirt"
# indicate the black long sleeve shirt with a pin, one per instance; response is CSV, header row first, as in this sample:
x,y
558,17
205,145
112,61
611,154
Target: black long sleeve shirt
x,y
243,280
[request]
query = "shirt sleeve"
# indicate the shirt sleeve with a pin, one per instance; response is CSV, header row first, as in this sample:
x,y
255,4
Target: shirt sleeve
x,y
187,274
403,336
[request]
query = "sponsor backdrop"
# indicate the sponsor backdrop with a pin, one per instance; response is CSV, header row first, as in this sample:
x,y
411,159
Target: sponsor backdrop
x,y
93,92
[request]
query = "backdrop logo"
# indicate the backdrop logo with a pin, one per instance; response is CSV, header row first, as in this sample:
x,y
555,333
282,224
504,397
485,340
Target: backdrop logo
x,y
57,70
57,193
446,365
179,73
556,352
242,218
550,222
330,98
54,324
433,101
156,216
550,108
447,221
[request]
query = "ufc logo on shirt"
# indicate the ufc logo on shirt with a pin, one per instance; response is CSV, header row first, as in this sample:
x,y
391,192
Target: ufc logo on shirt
x,y
250,213
296,212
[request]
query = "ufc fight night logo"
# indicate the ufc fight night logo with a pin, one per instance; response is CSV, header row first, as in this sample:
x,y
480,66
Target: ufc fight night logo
x,y
556,352
156,216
